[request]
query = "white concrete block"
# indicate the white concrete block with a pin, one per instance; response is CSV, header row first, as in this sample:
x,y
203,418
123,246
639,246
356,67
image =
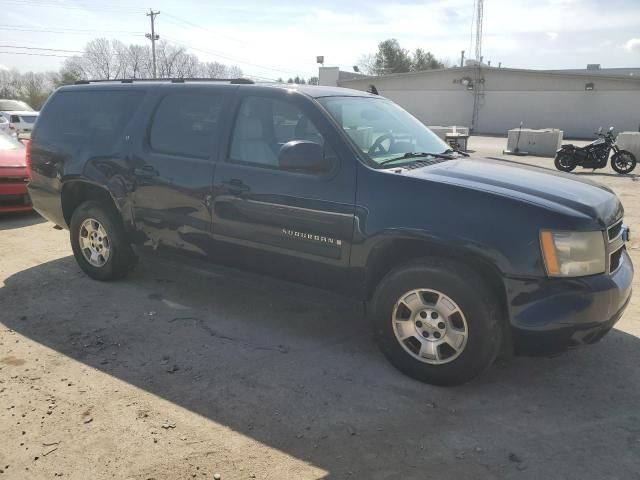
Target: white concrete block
x,y
543,143
443,131
629,141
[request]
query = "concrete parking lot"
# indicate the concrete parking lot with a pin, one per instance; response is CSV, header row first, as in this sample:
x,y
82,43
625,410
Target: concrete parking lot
x,y
182,371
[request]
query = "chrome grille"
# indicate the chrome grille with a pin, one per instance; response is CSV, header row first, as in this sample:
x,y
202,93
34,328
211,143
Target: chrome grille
x,y
614,231
615,246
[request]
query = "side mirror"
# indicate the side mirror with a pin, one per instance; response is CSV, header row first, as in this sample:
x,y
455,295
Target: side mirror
x,y
611,129
303,156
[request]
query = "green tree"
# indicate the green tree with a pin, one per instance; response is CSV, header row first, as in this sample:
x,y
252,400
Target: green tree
x,y
313,81
391,58
423,60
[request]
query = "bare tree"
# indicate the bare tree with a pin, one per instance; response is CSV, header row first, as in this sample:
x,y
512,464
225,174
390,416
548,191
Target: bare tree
x,y
234,72
74,68
35,88
213,70
10,82
101,58
367,64
31,87
168,58
187,66
106,60
140,62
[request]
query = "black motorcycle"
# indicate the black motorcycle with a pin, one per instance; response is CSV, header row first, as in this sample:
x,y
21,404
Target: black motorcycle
x,y
595,155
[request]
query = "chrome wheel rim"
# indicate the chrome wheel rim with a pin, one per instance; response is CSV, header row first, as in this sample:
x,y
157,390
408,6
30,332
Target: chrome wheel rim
x,y
565,161
623,161
94,242
430,326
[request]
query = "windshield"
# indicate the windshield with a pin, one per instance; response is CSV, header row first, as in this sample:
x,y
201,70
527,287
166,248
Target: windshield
x,y
14,105
381,129
8,143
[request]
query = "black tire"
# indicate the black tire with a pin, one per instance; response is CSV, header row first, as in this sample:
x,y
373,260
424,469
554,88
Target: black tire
x,y
121,260
623,162
468,290
565,162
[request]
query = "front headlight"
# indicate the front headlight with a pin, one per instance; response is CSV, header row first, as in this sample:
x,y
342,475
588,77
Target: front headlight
x,y
573,254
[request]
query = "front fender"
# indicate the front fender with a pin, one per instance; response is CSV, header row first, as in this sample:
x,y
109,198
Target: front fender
x,y
566,148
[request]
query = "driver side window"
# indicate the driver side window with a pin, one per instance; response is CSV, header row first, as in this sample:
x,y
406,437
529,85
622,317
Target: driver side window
x,y
263,125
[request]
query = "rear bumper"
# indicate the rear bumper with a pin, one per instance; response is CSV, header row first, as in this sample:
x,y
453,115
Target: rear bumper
x,y
14,198
47,203
550,315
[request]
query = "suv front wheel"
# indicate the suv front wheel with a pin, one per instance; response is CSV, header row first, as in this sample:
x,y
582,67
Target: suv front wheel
x,y
436,321
99,242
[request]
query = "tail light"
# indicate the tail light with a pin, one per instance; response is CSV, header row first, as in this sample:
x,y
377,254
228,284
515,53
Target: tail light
x,y
27,145
12,126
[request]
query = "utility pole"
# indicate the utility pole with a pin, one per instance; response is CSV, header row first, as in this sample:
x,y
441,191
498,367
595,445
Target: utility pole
x,y
462,59
478,83
153,37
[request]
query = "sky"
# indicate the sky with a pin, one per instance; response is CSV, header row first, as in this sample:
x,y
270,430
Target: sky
x,y
273,39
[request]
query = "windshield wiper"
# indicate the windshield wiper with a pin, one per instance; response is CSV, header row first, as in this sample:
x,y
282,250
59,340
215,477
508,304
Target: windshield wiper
x,y
416,155
459,152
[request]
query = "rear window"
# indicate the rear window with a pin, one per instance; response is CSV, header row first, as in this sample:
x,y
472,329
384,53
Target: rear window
x,y
14,106
29,119
185,124
93,118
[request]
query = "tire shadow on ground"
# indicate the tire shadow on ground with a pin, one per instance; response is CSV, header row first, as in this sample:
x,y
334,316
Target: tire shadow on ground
x,y
297,369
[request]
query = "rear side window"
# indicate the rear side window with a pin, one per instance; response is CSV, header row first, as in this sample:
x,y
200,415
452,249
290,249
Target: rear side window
x,y
186,124
91,118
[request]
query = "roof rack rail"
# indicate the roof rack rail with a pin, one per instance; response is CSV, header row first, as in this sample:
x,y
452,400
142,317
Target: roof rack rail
x,y
233,81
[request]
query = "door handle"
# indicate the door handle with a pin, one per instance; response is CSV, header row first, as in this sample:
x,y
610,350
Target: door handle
x,y
147,171
236,186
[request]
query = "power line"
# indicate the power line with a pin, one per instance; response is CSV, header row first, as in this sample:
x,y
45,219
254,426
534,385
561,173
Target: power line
x,y
36,54
38,48
85,8
217,54
64,32
68,28
191,24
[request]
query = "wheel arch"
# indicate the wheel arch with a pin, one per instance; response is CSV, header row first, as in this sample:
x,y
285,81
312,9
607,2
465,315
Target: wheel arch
x,y
76,192
392,253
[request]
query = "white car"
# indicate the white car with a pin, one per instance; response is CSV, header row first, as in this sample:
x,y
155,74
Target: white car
x,y
6,127
20,115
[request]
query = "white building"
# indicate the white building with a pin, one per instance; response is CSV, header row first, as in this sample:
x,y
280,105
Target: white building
x,y
576,101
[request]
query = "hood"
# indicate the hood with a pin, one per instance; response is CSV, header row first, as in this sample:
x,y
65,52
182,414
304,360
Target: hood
x,y
13,158
553,190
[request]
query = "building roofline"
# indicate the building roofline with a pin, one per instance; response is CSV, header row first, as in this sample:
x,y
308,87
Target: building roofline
x,y
471,69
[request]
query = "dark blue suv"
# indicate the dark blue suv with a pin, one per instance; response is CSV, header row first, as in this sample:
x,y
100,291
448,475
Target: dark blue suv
x,y
458,259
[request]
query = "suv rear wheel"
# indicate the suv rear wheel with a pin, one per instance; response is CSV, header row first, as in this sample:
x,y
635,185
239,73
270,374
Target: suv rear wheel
x,y
436,321
99,242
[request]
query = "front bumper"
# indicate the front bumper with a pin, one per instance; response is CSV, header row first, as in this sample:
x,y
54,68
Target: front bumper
x,y
549,315
14,198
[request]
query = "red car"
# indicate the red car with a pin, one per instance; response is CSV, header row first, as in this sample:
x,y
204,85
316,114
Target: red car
x,y
14,176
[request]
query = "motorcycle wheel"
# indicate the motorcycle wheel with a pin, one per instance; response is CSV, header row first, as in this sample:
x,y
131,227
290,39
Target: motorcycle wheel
x,y
623,162
565,162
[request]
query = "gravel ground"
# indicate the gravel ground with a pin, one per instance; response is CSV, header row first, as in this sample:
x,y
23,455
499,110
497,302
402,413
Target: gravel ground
x,y
183,372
